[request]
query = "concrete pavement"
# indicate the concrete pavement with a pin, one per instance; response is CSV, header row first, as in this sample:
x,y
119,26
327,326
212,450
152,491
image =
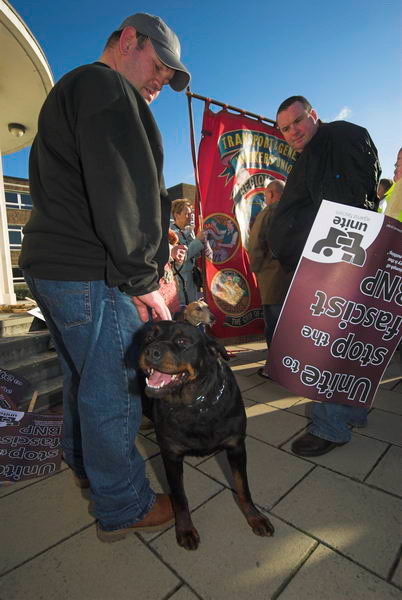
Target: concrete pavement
x,y
337,517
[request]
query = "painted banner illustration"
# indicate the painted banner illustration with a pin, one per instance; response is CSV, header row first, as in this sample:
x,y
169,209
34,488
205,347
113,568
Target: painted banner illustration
x,y
30,445
341,321
238,156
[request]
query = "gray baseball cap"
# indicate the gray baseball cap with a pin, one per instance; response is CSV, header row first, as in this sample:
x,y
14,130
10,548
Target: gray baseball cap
x,y
165,43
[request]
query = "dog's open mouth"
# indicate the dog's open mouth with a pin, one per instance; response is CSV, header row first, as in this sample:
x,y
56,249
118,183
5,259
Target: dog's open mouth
x,y
158,383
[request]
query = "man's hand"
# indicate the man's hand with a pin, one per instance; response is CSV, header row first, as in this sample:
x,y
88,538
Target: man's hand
x,y
178,253
156,303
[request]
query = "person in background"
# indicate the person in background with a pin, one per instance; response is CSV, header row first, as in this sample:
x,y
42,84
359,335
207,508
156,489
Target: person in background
x,y
273,281
382,192
96,177
394,195
182,213
337,161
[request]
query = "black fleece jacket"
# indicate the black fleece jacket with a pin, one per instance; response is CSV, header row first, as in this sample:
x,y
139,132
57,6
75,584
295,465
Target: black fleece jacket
x,y
339,164
100,207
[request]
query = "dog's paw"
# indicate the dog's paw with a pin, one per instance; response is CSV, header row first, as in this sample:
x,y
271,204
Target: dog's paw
x,y
188,539
261,526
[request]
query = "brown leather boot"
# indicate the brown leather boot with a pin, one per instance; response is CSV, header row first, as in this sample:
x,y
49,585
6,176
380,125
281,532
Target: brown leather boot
x,y
160,516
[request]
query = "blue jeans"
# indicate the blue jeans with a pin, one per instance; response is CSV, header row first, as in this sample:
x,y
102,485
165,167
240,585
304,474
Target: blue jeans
x,y
93,327
331,421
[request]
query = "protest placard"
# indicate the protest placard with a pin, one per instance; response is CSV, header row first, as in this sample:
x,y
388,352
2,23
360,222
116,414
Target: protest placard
x,y
341,320
13,386
30,445
6,402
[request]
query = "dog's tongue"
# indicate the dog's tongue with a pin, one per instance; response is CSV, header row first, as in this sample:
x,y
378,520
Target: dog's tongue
x,y
158,379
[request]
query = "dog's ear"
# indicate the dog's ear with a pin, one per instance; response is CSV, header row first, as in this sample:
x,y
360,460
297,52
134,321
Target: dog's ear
x,y
217,348
151,334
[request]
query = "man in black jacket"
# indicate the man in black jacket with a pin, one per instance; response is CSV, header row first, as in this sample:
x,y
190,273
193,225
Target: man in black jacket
x,y
94,251
338,162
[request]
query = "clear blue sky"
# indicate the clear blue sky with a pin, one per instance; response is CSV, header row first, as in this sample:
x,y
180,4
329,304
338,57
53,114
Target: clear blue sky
x,y
343,55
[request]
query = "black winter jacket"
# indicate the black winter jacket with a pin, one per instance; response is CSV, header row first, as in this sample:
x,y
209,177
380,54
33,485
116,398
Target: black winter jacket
x,y
340,164
100,208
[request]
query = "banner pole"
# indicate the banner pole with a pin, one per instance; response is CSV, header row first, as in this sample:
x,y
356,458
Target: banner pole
x,y
33,401
228,106
193,153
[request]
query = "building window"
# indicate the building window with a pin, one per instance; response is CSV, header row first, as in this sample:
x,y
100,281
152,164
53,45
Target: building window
x,y
17,275
11,199
15,236
26,201
19,201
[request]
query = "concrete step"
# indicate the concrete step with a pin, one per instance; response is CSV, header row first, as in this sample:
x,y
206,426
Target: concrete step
x,y
14,324
37,369
31,355
50,397
19,348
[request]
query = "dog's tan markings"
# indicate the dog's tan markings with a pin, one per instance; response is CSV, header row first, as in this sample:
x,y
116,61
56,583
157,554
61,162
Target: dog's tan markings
x,y
239,487
169,364
143,363
231,442
190,370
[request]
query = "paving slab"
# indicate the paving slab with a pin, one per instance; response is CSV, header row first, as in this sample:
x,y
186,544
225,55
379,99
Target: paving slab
x,y
248,356
387,475
147,446
388,384
394,369
247,369
235,348
388,400
11,488
231,562
384,426
397,578
184,593
273,394
397,387
362,523
247,383
273,425
355,459
343,580
271,472
261,345
199,487
302,407
83,568
39,516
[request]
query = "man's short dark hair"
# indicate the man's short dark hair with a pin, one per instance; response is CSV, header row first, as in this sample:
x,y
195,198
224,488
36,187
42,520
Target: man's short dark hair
x,y
115,36
289,101
386,184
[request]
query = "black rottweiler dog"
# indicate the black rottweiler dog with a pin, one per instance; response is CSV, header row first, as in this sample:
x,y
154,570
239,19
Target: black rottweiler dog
x,y
197,410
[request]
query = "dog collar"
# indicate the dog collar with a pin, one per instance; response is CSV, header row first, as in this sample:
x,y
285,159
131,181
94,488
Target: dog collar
x,y
203,397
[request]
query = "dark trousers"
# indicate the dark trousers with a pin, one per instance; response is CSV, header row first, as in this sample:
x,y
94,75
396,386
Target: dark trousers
x,y
271,314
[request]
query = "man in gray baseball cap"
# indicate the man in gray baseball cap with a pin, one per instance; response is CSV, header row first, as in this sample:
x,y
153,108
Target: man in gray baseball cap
x,y
94,251
166,45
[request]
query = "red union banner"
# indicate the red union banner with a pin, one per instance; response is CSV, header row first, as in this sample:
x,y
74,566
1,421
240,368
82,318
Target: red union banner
x,y
237,157
341,321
